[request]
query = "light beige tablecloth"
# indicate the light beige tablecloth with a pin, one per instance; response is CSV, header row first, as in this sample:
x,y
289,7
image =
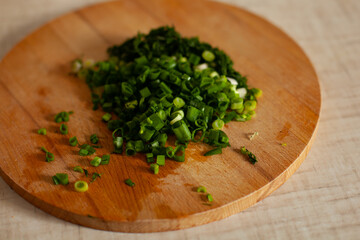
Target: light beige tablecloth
x,y
320,201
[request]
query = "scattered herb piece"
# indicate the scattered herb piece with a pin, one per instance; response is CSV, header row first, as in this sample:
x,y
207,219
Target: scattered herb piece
x,y
155,168
44,149
81,186
209,197
64,129
62,117
42,131
118,144
160,160
105,159
214,151
95,162
94,176
251,156
83,152
60,178
73,141
129,182
49,157
284,144
86,150
55,180
94,139
78,169
86,172
150,157
252,136
106,117
201,189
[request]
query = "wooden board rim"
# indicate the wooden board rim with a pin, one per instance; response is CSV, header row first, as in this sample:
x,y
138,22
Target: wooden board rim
x,y
182,222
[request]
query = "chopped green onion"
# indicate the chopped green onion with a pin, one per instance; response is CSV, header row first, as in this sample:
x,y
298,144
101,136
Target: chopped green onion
x,y
181,131
76,65
252,136
208,56
61,178
94,176
73,141
160,160
105,159
192,113
252,157
86,150
237,104
81,186
129,182
154,167
145,92
178,102
218,124
139,146
64,129
42,131
95,162
62,117
130,148
86,172
179,153
214,151
250,105
201,189
150,157
55,180
257,92
152,81
83,152
49,157
176,116
209,197
118,144
94,139
106,117
78,169
44,149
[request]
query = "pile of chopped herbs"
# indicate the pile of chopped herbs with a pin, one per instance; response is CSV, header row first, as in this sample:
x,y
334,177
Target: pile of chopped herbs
x,y
159,84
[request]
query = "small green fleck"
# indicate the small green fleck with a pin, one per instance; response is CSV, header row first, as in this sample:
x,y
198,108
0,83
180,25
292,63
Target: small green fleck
x,y
73,141
154,167
129,182
78,169
160,160
106,117
201,189
94,139
95,162
64,129
42,131
94,176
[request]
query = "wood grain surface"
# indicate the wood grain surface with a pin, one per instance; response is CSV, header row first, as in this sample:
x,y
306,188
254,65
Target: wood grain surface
x,y
325,190
33,93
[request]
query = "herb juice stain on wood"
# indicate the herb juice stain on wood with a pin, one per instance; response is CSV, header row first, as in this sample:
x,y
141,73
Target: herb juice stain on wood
x,y
273,62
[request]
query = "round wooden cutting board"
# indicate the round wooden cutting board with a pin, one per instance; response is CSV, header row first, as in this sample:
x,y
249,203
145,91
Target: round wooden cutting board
x,y
35,85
